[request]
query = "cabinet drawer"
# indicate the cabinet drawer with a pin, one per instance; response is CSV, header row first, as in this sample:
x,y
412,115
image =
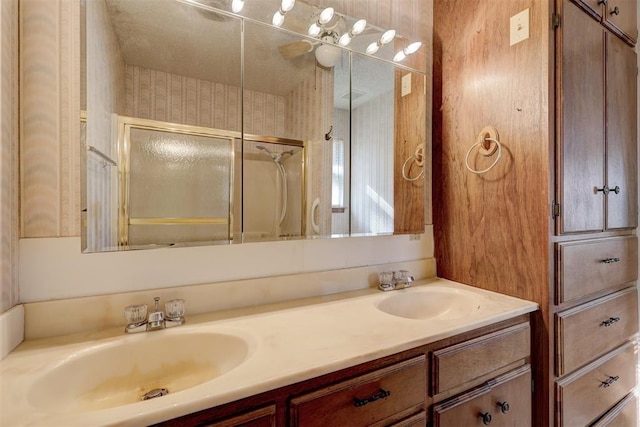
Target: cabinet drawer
x,y
620,17
456,365
585,268
399,390
588,393
624,414
591,329
505,401
264,417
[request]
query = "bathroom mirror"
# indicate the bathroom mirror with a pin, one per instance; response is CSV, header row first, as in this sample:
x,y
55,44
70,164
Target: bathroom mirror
x,y
205,126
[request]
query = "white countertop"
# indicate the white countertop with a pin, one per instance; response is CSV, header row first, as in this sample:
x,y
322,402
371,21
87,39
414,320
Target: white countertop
x,y
287,343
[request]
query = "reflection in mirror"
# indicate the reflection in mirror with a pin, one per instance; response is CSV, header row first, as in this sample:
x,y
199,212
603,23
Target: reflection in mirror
x,y
175,88
273,189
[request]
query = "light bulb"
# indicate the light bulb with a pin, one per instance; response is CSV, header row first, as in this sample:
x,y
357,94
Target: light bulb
x,y
359,27
373,48
237,5
314,30
287,5
326,15
399,56
278,19
412,48
345,39
387,36
328,55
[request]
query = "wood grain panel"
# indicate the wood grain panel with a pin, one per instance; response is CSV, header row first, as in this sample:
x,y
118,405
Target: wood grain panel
x,y
584,396
593,266
621,134
580,122
409,132
491,231
587,331
459,364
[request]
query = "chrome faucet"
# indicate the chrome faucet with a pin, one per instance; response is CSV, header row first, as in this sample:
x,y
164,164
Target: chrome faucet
x,y
137,320
391,280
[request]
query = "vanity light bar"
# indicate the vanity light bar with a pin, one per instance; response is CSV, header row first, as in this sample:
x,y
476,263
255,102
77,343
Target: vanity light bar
x,y
412,48
325,16
386,37
285,6
357,28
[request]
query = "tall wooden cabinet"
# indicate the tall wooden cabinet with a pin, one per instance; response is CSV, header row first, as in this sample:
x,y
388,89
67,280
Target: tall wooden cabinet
x,y
555,220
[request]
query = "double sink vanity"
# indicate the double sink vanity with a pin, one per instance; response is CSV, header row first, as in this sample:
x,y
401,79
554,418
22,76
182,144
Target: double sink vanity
x,y
370,357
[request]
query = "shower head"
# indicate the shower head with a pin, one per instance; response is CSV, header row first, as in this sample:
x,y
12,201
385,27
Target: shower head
x,y
277,157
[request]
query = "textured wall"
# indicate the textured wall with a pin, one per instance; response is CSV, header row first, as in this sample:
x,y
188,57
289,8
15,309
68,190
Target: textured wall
x,y
9,153
49,122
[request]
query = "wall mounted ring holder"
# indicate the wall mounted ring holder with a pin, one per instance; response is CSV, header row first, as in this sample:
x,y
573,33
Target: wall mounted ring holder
x,y
418,158
488,143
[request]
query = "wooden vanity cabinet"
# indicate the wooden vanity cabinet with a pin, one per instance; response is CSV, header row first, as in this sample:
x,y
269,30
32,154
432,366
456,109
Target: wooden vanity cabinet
x,y
407,389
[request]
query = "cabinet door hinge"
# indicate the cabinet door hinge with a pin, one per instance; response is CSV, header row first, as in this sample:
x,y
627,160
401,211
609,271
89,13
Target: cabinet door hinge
x,y
555,210
555,21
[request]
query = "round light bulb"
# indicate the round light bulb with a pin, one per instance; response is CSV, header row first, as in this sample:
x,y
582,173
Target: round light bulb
x,y
278,19
345,39
328,55
359,27
412,48
287,5
314,30
387,36
373,48
399,56
237,5
326,15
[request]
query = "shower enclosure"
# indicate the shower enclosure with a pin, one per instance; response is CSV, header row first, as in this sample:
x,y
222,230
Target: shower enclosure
x,y
177,185
273,188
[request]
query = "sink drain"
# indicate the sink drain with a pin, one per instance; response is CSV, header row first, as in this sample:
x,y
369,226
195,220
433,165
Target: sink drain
x,y
156,392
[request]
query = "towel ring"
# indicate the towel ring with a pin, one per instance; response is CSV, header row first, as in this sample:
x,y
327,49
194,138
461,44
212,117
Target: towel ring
x,y
488,151
418,158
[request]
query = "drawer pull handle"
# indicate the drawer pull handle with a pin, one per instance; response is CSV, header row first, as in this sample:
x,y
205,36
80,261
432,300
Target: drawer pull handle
x,y
504,407
380,395
604,2
610,260
604,190
615,11
486,418
610,381
610,321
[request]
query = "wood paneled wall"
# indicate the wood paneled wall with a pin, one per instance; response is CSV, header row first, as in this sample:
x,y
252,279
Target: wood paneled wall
x,y
492,230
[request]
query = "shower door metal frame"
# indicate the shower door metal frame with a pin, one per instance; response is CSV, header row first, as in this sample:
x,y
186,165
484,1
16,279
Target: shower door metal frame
x,y
293,143
125,124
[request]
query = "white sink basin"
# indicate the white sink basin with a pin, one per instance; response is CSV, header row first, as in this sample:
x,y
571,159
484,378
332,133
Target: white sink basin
x,y
120,373
432,302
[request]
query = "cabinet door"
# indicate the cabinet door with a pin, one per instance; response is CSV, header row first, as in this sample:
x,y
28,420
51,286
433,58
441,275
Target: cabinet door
x,y
622,136
506,401
620,17
581,121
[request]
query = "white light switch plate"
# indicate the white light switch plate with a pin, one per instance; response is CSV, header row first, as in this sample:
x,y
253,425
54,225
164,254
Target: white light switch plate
x,y
519,27
406,84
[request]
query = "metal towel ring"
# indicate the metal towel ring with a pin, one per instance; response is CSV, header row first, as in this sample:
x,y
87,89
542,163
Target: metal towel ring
x,y
481,146
418,158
